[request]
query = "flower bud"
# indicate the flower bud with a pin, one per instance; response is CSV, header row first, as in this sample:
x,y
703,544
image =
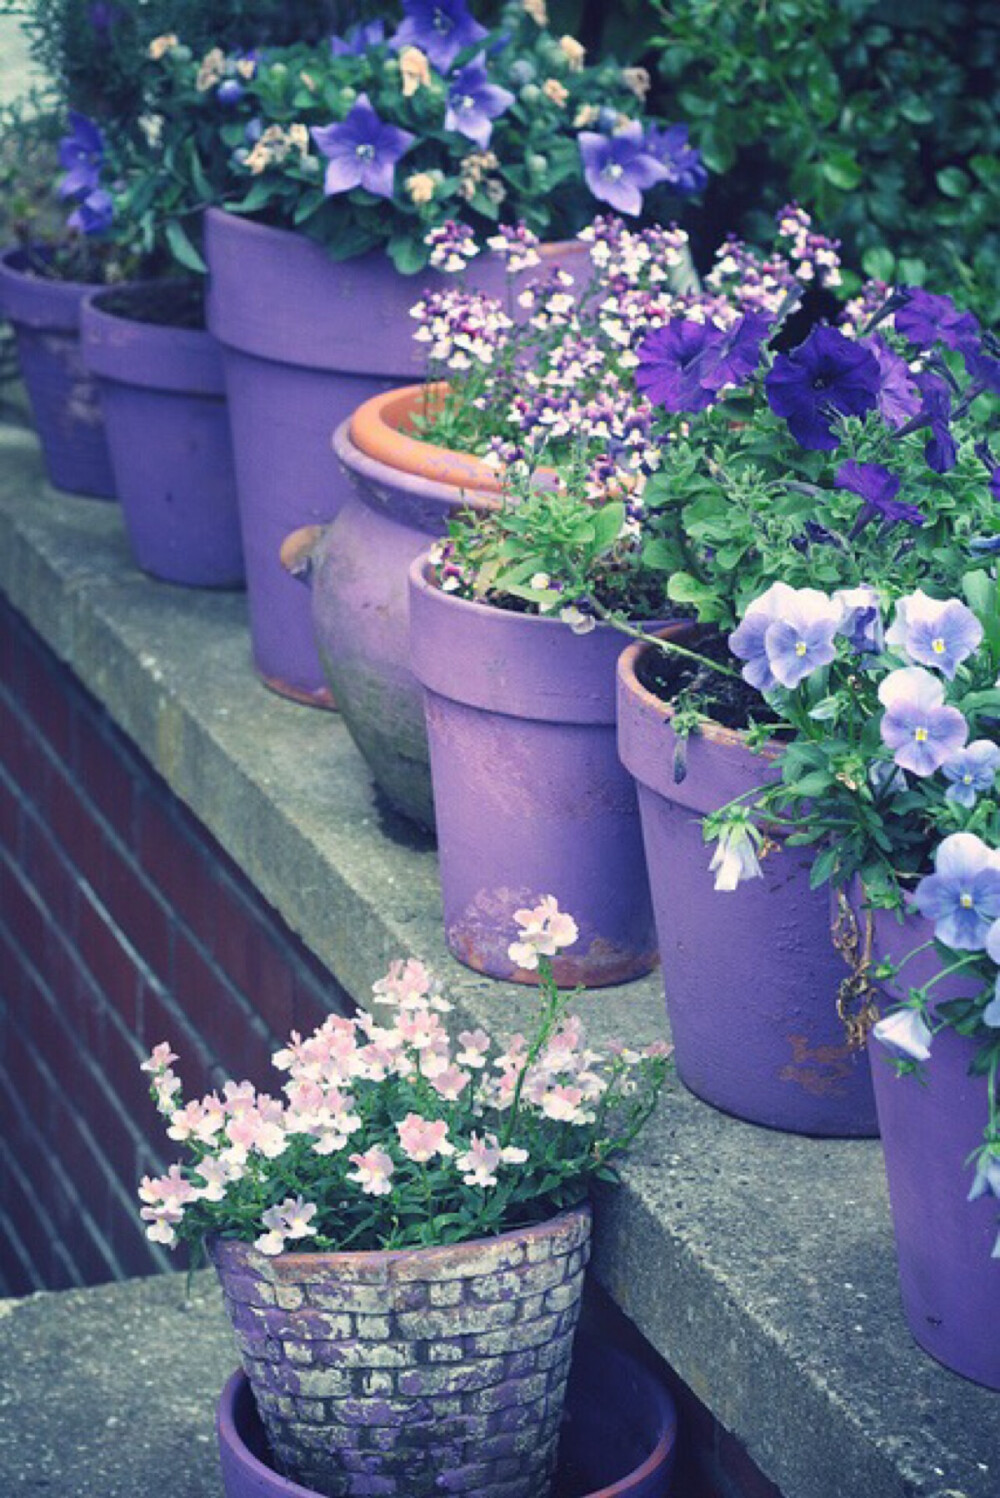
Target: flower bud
x,y
530,93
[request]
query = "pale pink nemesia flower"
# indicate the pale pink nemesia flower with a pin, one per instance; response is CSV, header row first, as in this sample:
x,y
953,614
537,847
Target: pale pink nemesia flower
x,y
421,1139
374,1169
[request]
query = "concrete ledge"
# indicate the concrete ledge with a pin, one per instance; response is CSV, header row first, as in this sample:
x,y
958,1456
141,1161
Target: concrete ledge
x,y
759,1265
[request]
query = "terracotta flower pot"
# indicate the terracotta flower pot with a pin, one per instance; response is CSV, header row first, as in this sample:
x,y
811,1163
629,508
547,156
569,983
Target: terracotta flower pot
x,y
930,1123
422,1364
400,493
162,392
530,797
306,340
617,1441
65,405
751,976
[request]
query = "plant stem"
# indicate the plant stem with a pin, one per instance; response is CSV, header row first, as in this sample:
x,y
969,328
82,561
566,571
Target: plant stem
x,y
670,646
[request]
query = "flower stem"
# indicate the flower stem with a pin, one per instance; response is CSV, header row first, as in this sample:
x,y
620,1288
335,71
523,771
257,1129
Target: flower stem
x,y
669,646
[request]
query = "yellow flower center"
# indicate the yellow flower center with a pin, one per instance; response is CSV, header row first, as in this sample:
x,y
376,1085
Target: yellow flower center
x,y
921,735
965,901
800,648
938,646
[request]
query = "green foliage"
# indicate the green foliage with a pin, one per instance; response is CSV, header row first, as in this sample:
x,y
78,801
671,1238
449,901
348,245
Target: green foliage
x,y
882,119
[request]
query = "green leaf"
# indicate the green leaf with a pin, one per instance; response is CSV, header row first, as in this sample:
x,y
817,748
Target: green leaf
x,y
952,181
183,250
879,263
407,254
607,526
842,169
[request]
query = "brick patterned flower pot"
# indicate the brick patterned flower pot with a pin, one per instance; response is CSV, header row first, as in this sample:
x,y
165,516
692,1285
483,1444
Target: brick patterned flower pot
x,y
617,1441
412,1372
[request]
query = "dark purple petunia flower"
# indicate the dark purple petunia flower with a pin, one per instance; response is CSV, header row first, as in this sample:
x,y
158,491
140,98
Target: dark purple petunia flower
x,y
440,28
618,168
927,318
941,451
686,172
878,488
667,372
81,154
362,151
733,356
825,376
358,39
898,396
983,368
474,103
94,214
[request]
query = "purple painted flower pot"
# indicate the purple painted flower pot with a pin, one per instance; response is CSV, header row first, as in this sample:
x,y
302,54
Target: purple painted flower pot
x,y
358,570
751,976
445,1366
306,340
64,400
529,795
618,1434
163,395
930,1124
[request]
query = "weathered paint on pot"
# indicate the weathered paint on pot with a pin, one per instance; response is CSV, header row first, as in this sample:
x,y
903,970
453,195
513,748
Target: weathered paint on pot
x,y
930,1123
530,797
163,395
617,1440
414,1371
65,404
306,340
357,568
751,976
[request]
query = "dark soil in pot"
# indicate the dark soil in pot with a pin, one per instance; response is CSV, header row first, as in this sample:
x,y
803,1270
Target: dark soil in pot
x,y
726,700
167,304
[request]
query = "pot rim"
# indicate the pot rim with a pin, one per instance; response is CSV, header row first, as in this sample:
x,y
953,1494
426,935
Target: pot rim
x,y
419,569
375,429
380,1258
709,729
377,472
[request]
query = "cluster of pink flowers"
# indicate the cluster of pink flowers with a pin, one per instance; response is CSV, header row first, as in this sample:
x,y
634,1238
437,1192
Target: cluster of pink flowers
x,y
461,328
372,1103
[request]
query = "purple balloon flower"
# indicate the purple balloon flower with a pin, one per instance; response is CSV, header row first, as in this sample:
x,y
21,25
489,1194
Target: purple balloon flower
x,y
440,28
93,214
971,771
918,726
474,103
358,39
826,375
934,632
618,168
668,368
686,172
230,91
81,154
962,896
878,488
927,318
362,151
906,1032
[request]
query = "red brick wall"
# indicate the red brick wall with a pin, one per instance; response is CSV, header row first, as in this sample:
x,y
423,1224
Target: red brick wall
x,y
122,923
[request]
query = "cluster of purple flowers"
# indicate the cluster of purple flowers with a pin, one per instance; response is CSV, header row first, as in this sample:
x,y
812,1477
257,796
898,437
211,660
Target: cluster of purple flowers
x,y
82,157
789,633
